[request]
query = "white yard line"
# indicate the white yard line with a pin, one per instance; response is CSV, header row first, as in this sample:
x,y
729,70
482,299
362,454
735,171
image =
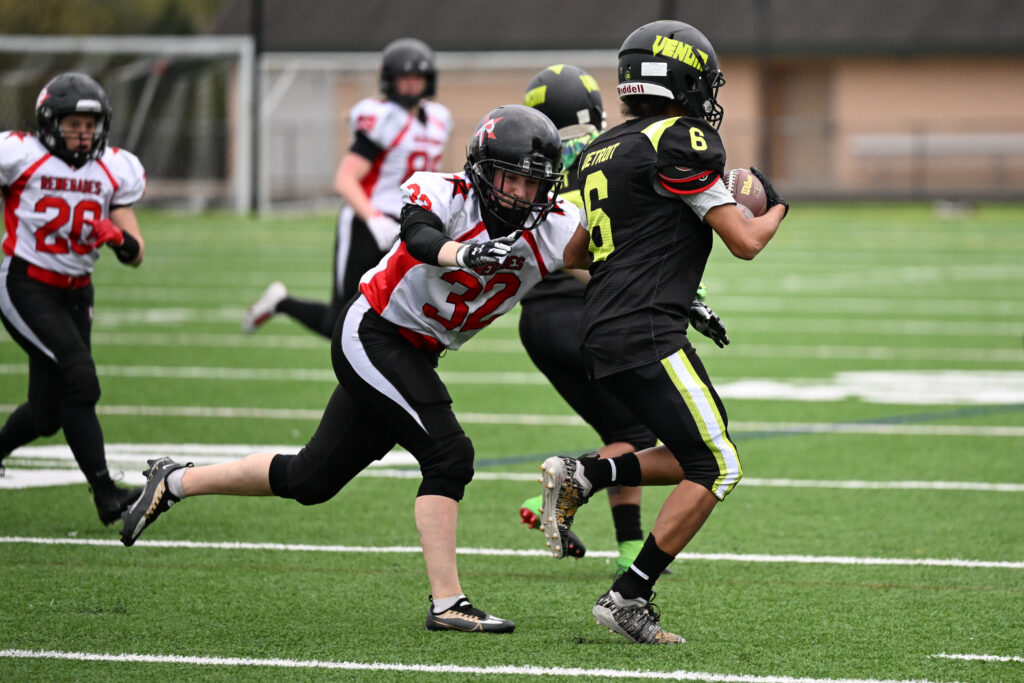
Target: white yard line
x,y
434,668
749,558
979,658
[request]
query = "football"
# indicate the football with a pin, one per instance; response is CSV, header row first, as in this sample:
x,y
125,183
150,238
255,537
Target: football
x,y
748,191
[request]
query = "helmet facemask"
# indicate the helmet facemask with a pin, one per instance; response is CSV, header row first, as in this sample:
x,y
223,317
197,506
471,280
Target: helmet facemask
x,y
504,211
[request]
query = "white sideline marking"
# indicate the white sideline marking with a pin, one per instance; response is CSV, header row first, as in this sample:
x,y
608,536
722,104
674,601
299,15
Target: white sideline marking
x,y
980,658
921,387
229,412
754,558
678,675
133,457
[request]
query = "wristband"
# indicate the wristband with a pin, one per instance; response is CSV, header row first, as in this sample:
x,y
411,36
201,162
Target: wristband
x,y
128,250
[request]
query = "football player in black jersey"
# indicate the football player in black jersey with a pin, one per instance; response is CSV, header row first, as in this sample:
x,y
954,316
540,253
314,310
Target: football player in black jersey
x,y
653,199
551,313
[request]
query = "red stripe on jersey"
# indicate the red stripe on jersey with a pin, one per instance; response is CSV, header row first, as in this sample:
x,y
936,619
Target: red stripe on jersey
x,y
109,174
421,341
477,229
379,288
369,181
532,241
12,197
707,182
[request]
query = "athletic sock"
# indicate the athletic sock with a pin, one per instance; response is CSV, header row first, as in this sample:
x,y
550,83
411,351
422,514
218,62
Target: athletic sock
x,y
446,603
638,582
174,484
622,470
627,523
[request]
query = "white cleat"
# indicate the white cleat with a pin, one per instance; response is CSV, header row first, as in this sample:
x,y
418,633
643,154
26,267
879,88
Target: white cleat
x,y
264,308
565,489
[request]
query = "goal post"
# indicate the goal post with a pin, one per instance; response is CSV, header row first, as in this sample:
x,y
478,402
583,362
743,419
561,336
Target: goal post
x,y
183,104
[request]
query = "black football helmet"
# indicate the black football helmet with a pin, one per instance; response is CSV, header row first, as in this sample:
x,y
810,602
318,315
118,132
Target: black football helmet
x,y
72,93
673,60
515,139
571,98
402,57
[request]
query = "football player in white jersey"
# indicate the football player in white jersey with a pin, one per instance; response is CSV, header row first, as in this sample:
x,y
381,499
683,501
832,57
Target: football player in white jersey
x,y
66,193
472,244
394,136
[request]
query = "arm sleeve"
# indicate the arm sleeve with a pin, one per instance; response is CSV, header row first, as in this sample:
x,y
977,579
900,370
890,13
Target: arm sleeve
x,y
422,233
365,147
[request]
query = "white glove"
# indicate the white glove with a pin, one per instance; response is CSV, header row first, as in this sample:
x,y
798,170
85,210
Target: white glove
x,y
384,230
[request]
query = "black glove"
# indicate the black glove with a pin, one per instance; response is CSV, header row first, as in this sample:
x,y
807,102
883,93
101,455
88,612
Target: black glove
x,y
769,191
494,251
704,320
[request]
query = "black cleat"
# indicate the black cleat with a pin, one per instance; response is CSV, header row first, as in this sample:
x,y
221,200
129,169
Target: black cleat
x,y
113,500
462,616
155,499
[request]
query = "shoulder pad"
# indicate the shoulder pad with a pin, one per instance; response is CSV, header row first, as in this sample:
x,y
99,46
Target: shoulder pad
x,y
687,142
127,173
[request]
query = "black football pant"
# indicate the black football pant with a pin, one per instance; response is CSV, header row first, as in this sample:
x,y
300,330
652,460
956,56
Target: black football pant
x,y
675,398
388,392
548,330
53,326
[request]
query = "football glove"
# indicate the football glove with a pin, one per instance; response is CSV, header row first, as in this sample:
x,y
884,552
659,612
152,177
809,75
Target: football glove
x,y
769,191
105,231
705,321
493,251
384,230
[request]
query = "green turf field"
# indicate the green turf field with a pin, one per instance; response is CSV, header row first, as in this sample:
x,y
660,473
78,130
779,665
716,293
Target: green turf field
x,y
875,389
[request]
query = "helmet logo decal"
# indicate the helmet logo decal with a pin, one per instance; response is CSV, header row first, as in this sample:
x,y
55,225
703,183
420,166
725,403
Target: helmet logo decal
x,y
536,96
590,83
486,129
44,95
678,50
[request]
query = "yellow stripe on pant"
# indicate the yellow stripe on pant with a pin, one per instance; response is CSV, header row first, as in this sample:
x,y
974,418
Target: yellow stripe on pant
x,y
709,421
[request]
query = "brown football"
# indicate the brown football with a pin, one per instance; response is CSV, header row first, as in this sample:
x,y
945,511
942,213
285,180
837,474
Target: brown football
x,y
747,190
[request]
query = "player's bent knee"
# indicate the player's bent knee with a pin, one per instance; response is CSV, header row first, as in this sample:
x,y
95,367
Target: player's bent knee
x,y
287,480
447,473
81,385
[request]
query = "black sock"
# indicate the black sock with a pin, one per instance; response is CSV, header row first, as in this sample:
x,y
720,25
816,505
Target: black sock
x,y
85,439
627,523
622,470
312,314
638,582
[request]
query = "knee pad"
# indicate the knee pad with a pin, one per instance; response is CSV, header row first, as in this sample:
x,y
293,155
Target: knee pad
x,y
81,385
288,481
447,472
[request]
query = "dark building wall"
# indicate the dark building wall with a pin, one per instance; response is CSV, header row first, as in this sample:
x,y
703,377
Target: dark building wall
x,y
740,26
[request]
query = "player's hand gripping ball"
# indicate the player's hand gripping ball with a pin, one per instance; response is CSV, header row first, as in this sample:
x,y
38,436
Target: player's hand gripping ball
x,y
748,192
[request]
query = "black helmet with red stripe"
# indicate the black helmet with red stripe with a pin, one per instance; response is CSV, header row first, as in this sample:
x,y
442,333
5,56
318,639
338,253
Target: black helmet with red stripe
x,y
72,93
514,139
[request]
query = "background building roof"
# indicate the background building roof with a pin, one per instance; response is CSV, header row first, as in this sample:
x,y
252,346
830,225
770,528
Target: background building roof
x,y
736,26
